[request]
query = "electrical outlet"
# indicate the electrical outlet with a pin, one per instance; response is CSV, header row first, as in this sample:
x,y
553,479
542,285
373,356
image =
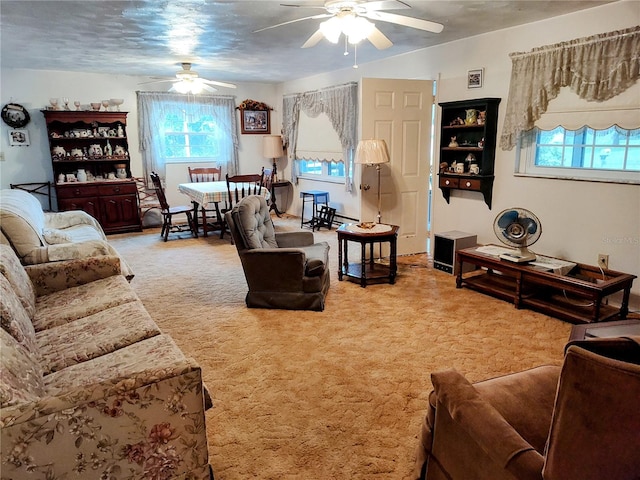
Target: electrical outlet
x,y
603,260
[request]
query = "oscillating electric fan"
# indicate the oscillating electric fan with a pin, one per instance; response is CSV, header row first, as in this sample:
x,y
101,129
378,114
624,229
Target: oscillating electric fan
x,y
519,228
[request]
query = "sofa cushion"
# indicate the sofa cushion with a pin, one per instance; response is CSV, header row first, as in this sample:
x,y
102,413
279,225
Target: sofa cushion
x,y
53,236
14,318
98,334
254,223
150,357
22,220
77,302
21,375
13,270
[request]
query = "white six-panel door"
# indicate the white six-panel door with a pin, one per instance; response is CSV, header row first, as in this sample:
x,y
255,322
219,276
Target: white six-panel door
x,y
399,112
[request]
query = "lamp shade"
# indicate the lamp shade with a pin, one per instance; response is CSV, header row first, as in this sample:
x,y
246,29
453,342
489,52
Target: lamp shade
x,y
372,152
272,146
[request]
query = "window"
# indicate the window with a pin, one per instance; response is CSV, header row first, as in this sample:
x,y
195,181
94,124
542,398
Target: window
x,y
327,170
187,137
610,154
178,128
319,150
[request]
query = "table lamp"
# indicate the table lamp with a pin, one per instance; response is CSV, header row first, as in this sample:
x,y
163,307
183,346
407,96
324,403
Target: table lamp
x,y
272,148
373,152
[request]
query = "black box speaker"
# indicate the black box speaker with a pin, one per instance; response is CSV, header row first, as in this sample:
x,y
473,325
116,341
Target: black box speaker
x,y
444,250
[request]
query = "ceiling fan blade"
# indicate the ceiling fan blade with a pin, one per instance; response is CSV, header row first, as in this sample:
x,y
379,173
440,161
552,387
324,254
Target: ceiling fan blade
x,y
158,81
303,6
313,39
378,39
313,17
220,84
208,88
405,21
386,5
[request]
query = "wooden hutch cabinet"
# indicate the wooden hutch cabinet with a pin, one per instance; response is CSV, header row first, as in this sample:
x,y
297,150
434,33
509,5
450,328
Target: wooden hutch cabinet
x,y
91,166
468,146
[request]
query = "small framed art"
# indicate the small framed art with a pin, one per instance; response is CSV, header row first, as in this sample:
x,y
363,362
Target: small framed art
x,y
475,78
255,121
19,137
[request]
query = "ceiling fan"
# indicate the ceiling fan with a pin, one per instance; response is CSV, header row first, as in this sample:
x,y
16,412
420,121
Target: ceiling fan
x,y
188,81
349,17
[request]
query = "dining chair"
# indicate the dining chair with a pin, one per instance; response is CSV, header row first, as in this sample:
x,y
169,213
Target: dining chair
x,y
240,186
168,212
211,217
147,198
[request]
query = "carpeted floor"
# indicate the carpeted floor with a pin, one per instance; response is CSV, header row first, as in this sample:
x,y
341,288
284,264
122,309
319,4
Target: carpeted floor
x,y
338,394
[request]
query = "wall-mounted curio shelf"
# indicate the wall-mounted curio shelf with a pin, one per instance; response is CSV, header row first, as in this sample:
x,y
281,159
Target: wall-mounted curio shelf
x,y
468,146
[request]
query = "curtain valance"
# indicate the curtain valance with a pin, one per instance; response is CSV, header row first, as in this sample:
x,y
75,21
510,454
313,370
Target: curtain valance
x,y
596,68
339,103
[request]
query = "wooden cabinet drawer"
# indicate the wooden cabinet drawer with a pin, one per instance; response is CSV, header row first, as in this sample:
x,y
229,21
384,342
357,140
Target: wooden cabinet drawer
x,y
117,189
469,184
77,190
449,182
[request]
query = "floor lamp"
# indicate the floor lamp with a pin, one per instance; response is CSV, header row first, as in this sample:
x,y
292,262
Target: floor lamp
x,y
373,152
272,148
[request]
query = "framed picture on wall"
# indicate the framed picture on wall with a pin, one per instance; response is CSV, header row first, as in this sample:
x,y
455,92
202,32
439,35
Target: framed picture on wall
x,y
19,137
475,77
255,121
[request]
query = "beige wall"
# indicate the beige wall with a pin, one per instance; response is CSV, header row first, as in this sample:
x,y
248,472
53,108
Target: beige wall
x,y
33,88
580,219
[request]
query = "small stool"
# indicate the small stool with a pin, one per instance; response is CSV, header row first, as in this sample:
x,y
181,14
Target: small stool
x,y
325,217
316,196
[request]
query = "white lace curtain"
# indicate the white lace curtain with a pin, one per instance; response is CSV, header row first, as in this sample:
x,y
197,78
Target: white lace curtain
x,y
153,108
340,104
596,68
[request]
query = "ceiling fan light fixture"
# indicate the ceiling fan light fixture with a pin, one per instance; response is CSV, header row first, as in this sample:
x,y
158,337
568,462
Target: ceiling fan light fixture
x,y
357,29
331,29
354,27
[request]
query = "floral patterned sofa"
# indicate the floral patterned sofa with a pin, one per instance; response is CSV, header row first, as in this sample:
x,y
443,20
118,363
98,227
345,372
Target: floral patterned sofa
x,y
38,236
89,386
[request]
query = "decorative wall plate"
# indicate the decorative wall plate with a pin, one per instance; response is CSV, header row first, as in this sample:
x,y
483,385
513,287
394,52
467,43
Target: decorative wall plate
x,y
14,115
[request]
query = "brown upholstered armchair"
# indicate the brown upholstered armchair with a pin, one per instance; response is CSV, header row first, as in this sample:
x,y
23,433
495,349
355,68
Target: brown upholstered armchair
x,y
580,421
283,269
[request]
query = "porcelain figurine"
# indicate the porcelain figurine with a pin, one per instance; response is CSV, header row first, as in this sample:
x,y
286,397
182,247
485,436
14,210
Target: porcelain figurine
x,y
453,143
472,117
81,175
58,151
95,150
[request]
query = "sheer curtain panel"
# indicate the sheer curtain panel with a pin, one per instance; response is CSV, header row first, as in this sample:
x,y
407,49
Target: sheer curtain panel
x,y
155,107
340,104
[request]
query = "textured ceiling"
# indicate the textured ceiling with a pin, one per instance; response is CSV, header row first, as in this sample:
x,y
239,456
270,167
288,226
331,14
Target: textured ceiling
x,y
152,37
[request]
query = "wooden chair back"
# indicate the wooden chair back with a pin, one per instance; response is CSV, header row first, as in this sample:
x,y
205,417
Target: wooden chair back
x,y
240,186
155,178
205,174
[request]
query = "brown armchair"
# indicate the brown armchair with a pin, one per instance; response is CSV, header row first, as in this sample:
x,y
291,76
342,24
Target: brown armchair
x,y
580,421
283,269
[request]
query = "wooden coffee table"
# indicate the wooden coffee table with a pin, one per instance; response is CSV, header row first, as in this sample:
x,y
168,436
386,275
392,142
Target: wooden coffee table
x,y
621,328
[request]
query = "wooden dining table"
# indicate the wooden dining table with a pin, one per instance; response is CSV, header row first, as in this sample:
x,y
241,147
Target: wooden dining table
x,y
209,195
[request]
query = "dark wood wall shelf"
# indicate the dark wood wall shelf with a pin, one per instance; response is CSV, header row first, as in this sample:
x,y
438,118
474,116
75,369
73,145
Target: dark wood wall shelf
x,y
577,297
473,138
